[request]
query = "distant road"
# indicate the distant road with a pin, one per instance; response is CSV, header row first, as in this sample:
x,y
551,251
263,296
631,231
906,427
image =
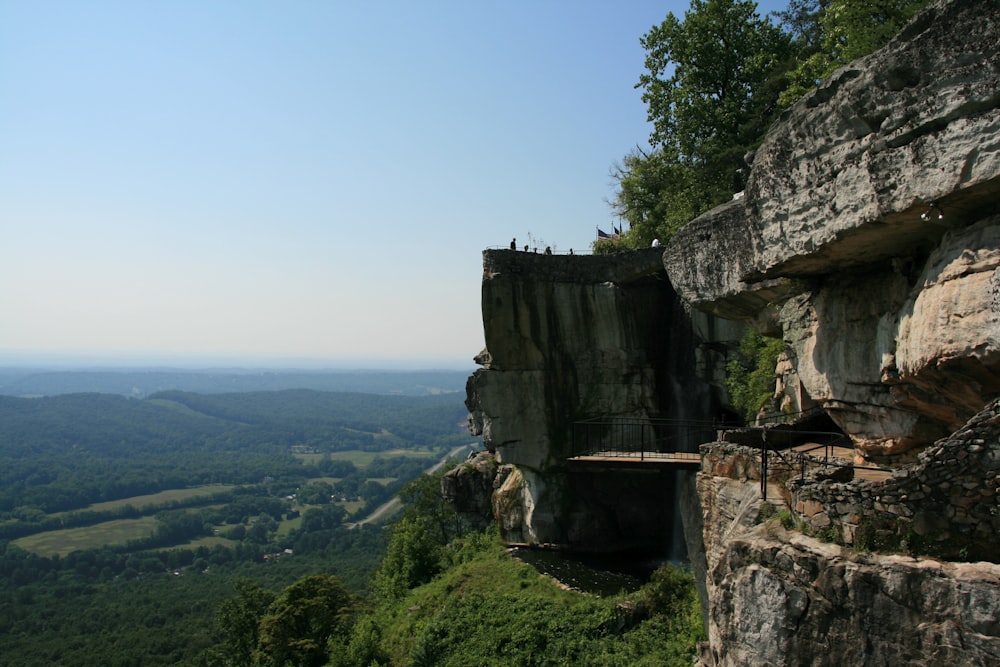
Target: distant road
x,y
392,506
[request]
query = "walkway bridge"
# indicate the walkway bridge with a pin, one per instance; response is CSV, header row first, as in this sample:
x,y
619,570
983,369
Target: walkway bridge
x,y
783,450
630,441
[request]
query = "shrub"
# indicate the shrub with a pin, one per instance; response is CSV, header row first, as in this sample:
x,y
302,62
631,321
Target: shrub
x,y
750,375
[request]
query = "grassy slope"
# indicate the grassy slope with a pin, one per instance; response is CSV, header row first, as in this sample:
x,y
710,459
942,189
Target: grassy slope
x,y
493,610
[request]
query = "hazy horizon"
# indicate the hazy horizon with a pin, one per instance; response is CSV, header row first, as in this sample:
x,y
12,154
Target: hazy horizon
x,y
97,362
286,181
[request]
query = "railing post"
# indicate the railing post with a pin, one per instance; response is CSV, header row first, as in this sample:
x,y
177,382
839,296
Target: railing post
x,y
763,465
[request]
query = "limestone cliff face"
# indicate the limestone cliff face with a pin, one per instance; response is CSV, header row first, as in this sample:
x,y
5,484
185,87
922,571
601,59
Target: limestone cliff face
x,y
869,239
570,338
780,597
870,213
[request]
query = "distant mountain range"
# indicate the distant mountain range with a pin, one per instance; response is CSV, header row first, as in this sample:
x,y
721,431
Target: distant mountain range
x,y
141,382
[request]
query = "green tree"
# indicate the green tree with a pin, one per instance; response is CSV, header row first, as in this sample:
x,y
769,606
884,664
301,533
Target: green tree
x,y
302,621
832,33
750,375
711,85
413,558
315,493
238,622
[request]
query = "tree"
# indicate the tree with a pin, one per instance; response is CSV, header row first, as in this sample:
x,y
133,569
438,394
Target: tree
x,y
710,88
315,493
832,33
301,621
413,558
750,375
238,621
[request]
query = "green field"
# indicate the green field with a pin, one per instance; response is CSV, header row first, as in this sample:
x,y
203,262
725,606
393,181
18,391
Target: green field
x,y
66,541
156,499
362,458
208,541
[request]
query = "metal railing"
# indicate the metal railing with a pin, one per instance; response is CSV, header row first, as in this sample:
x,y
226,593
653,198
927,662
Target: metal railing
x,y
636,437
806,460
652,439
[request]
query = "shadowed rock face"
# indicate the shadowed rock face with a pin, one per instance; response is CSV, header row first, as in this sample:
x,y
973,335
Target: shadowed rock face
x,y
780,599
572,338
890,303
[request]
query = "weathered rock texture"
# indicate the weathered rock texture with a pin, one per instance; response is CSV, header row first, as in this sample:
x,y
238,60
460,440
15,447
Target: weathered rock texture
x,y
868,236
947,500
570,338
780,598
870,213
777,597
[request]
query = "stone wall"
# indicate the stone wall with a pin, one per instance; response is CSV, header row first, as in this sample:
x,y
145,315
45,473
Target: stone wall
x,y
782,597
947,500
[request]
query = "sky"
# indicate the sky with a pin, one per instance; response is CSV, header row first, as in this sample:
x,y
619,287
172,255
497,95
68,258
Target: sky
x,y
298,183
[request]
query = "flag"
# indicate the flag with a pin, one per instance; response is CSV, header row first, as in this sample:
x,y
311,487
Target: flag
x,y
602,235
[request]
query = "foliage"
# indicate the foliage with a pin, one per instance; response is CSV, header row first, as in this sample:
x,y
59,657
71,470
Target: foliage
x,y
65,452
150,600
418,539
238,621
835,32
299,622
750,375
714,82
492,610
412,558
710,87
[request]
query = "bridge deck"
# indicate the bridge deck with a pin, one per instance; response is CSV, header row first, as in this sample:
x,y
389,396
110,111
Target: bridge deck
x,y
673,459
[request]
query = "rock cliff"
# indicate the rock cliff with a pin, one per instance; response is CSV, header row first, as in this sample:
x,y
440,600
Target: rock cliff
x,y
868,238
571,338
869,224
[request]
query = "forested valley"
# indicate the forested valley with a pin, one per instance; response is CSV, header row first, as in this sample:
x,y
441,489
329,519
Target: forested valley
x,y
165,525
126,523
225,529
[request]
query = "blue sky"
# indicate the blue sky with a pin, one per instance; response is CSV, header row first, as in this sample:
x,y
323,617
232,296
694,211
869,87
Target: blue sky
x,y
297,182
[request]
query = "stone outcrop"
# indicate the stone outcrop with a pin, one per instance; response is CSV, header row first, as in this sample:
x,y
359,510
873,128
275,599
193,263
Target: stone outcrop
x,y
781,598
570,338
469,487
868,238
870,213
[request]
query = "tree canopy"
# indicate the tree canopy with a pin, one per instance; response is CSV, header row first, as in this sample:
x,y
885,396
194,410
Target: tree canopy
x,y
715,80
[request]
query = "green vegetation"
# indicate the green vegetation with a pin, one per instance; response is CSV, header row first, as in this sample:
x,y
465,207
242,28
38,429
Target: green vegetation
x,y
835,32
64,453
125,523
447,596
492,610
160,499
268,571
750,375
715,81
64,542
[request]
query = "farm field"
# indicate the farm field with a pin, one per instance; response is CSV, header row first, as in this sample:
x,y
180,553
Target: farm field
x,y
157,499
364,458
64,542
